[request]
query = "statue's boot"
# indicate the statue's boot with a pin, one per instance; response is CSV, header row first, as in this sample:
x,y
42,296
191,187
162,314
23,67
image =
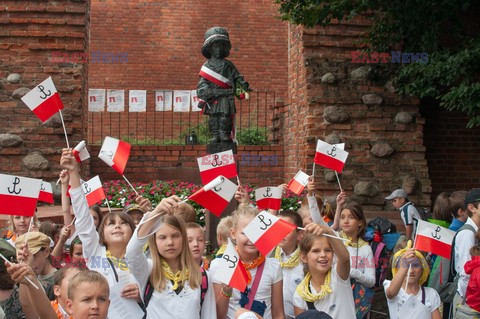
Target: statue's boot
x,y
213,124
226,125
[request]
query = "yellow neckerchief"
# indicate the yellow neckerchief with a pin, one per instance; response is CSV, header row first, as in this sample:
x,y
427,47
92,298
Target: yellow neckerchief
x,y
291,262
254,264
303,289
119,262
221,250
358,244
177,277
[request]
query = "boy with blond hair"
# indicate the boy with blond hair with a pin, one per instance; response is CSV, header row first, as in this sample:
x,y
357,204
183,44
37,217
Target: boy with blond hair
x,y
223,233
88,295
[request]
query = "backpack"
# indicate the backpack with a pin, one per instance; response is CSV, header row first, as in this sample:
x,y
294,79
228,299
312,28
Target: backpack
x,y
386,227
423,213
381,258
203,290
443,277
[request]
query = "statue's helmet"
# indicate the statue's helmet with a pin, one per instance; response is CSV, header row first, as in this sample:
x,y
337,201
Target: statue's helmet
x,y
213,35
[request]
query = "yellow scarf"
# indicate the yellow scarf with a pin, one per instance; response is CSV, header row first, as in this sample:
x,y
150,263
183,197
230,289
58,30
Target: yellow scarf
x,y
177,277
303,289
119,262
291,262
221,250
350,243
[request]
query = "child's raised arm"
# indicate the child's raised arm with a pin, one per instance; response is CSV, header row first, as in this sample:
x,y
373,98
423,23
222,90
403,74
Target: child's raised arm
x,y
397,281
84,222
65,180
341,199
36,297
312,203
343,256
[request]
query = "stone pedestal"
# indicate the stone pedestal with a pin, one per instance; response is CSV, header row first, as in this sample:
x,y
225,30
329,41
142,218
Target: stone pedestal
x,y
217,147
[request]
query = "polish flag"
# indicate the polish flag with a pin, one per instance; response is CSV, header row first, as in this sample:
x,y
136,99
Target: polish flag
x,y
213,165
330,156
269,197
298,183
93,190
266,231
18,195
115,153
230,269
43,100
81,152
46,193
216,195
434,239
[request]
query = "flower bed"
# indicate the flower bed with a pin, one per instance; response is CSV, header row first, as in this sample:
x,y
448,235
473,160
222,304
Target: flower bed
x,y
119,194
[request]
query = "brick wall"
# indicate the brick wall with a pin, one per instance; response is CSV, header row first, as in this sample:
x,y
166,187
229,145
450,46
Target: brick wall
x,y
451,147
29,32
337,101
147,163
163,42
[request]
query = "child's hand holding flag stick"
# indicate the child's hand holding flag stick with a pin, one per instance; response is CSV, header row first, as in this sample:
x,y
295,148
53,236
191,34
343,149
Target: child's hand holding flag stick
x,y
7,262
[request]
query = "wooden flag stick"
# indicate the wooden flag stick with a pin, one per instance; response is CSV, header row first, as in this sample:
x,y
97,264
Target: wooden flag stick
x,y
338,180
108,205
327,235
64,129
130,185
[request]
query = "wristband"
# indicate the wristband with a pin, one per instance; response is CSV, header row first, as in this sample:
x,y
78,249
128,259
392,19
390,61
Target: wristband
x,y
225,295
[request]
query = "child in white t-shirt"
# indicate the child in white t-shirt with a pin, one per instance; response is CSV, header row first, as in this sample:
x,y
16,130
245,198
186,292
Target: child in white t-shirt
x,y
288,254
268,299
410,271
326,286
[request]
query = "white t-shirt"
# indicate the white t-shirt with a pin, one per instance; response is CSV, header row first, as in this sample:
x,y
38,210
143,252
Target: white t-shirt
x,y
291,278
362,266
432,300
272,273
338,304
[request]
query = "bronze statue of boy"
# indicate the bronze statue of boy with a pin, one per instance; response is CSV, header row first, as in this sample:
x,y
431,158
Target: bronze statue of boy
x,y
219,83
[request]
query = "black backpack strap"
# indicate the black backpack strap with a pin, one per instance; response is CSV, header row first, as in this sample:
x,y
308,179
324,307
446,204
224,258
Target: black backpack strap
x,y
204,286
423,294
147,294
310,305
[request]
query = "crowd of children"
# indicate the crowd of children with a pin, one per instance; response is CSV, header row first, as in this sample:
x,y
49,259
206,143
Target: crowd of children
x,y
150,262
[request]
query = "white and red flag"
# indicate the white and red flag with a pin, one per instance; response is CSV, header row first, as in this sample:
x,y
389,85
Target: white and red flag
x,y
216,195
115,153
43,100
46,192
265,231
230,269
434,239
269,197
298,183
81,152
93,190
18,195
217,164
330,156
215,77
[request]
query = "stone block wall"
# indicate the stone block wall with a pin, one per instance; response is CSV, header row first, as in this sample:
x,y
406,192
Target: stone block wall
x,y
341,102
30,33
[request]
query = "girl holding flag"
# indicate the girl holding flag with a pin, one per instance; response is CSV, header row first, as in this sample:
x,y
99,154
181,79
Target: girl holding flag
x,y
264,294
407,283
362,264
171,279
105,250
326,286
